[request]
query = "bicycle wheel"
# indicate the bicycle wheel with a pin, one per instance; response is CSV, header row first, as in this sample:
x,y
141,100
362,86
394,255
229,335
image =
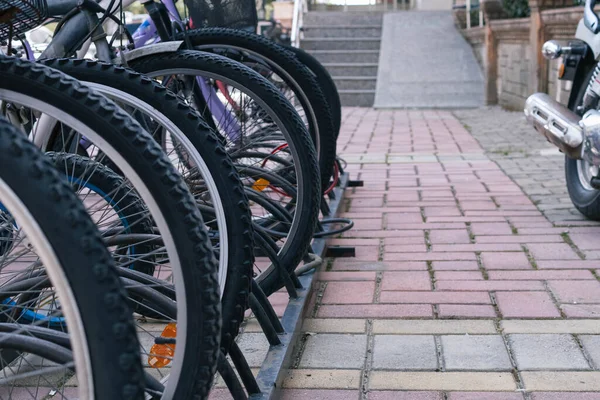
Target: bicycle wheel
x,y
48,235
326,82
262,133
41,100
287,73
196,152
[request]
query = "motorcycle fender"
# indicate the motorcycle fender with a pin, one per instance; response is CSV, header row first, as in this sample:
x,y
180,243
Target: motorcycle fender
x,y
163,47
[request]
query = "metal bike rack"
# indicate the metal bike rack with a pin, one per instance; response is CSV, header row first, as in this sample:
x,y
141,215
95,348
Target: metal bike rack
x,y
279,357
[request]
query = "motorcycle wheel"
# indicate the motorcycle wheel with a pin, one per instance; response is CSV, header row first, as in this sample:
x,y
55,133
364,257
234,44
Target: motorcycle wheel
x,y
579,173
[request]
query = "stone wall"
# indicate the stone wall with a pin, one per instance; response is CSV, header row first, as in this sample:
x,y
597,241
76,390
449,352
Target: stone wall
x,y
510,58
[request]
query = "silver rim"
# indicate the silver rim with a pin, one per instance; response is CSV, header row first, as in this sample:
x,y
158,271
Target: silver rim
x,y
131,101
145,194
585,172
299,176
83,365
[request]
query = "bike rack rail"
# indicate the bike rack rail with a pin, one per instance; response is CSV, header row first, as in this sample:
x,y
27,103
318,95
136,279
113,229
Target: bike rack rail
x,y
279,357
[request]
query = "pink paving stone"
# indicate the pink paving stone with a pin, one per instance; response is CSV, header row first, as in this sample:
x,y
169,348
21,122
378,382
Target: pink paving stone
x,y
404,240
367,224
343,265
577,274
565,396
454,265
305,394
349,293
576,291
435,297
520,239
346,276
393,220
466,310
406,248
526,305
505,261
367,253
449,236
484,396
458,275
477,205
430,256
413,280
375,311
441,211
476,247
561,264
389,395
490,218
489,285
581,310
554,251
436,194
367,202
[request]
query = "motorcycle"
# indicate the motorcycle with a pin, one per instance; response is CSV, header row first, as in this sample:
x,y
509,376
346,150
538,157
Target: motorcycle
x,y
575,129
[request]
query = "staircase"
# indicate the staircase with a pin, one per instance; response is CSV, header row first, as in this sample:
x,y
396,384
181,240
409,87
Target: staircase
x,y
347,44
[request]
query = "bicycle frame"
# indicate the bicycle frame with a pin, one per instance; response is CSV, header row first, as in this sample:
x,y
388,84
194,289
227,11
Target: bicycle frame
x,y
86,21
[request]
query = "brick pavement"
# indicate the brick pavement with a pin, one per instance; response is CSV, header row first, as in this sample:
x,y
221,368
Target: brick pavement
x,y
462,288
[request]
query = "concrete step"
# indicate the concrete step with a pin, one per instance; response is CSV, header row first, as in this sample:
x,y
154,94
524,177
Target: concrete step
x,y
355,82
357,98
332,18
350,43
316,31
351,69
346,56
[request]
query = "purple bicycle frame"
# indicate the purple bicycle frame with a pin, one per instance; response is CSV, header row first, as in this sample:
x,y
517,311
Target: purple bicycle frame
x,y
147,31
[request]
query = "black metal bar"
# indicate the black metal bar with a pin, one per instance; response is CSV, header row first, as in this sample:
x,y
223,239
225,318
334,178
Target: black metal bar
x,y
278,358
266,304
243,369
264,321
231,380
356,183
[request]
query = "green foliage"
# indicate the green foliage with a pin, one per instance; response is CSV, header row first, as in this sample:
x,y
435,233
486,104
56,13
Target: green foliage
x,y
516,8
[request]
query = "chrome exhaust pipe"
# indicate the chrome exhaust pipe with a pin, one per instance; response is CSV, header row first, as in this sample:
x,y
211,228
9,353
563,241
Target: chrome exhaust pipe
x,y
559,125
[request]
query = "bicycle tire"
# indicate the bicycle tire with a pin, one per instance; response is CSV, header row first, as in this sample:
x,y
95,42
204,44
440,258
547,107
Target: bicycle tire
x,y
294,73
327,84
60,218
235,295
205,64
27,83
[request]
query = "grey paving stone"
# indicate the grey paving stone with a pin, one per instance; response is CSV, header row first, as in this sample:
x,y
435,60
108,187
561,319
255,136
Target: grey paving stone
x,y
254,346
591,343
405,352
334,351
555,352
475,352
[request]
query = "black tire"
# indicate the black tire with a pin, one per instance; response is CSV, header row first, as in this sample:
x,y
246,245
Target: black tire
x,y
183,222
585,199
230,71
131,210
327,85
234,301
105,317
294,74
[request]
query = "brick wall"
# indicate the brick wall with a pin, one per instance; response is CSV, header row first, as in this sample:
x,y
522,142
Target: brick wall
x,y
514,52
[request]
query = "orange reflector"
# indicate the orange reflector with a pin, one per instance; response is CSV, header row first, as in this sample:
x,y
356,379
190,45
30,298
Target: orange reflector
x,y
561,70
162,354
260,184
